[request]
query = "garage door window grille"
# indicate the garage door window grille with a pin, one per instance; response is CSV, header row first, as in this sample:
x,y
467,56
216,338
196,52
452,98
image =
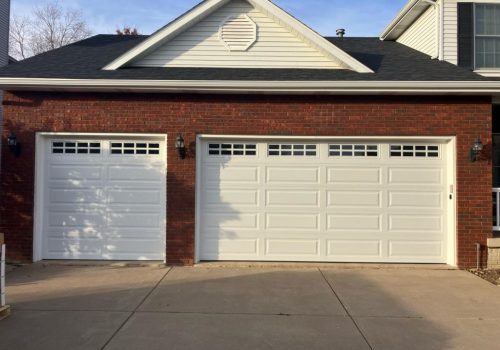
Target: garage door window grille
x,y
135,148
350,150
292,150
76,147
415,151
232,149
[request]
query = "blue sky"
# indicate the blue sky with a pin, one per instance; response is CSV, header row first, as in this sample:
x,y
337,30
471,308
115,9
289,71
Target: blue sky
x,y
359,17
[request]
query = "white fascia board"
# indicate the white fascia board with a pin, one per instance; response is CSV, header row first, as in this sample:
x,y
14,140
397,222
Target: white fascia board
x,y
168,32
314,37
414,9
265,87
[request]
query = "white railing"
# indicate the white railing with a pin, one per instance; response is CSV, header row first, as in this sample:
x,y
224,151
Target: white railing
x,y
496,209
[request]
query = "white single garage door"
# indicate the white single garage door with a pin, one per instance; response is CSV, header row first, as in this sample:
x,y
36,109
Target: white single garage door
x,y
103,198
358,201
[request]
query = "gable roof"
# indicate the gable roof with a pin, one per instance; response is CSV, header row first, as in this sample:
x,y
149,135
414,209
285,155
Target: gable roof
x,y
389,60
397,69
207,7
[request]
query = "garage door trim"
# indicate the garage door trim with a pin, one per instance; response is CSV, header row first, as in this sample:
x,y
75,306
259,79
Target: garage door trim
x,y
39,180
446,141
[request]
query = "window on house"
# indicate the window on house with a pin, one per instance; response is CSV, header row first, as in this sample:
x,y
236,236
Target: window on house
x,y
487,36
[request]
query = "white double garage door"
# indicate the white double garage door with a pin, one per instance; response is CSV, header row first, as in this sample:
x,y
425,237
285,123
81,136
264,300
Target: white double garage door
x,y
104,198
331,200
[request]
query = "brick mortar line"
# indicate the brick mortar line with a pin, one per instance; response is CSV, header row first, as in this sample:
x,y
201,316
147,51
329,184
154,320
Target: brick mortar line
x,y
346,311
135,310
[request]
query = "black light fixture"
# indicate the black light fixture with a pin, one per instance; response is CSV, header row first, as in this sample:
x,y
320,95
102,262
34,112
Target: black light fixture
x,y
13,144
475,150
180,146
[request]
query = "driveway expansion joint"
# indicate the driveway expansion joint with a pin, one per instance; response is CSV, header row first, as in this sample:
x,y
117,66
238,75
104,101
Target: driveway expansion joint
x,y
346,310
136,308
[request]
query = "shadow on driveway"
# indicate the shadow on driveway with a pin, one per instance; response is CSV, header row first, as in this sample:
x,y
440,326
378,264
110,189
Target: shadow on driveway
x,y
248,308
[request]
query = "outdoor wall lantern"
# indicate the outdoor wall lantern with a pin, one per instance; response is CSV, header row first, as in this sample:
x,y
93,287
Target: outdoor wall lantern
x,y
180,146
13,144
476,149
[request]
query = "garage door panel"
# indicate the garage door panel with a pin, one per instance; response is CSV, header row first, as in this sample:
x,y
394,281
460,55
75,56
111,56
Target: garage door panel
x,y
416,199
327,207
292,175
415,176
231,220
418,249
75,196
357,248
76,219
134,197
286,198
140,173
217,247
219,175
105,205
69,172
73,247
356,199
293,247
344,222
354,175
292,221
134,219
415,223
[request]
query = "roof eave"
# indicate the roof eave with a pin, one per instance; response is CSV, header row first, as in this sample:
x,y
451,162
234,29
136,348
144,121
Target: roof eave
x,y
485,88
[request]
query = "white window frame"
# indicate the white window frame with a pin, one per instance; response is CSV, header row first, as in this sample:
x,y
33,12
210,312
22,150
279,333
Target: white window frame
x,y
482,70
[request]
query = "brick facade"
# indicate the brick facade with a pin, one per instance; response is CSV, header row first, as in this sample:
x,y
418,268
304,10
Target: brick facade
x,y
30,112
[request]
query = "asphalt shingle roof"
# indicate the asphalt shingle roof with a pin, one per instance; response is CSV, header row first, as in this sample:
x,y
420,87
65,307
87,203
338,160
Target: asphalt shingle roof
x,y
391,61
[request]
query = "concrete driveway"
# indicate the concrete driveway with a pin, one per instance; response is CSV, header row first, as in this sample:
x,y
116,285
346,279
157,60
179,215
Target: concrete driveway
x,y
153,307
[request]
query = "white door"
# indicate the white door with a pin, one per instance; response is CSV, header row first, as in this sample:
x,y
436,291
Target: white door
x,y
104,199
323,201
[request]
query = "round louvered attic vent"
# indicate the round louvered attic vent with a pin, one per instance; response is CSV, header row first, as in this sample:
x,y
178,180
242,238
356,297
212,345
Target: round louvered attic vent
x,y
238,33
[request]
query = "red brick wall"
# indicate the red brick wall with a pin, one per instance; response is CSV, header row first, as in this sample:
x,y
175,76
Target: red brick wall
x,y
27,113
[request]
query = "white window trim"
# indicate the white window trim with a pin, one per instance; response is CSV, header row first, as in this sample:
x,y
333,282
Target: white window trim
x,y
485,71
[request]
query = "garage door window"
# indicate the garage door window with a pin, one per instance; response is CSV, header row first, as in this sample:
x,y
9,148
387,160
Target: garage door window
x,y
415,151
135,148
232,149
73,147
292,150
351,150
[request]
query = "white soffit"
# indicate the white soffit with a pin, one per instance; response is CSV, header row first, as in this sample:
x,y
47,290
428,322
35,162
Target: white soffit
x,y
208,7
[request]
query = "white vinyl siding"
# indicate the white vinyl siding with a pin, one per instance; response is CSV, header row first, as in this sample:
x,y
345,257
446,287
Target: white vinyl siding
x,y
200,46
422,35
450,31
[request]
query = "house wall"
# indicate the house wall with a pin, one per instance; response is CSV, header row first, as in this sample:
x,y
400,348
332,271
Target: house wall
x,y
30,112
450,31
275,46
422,35
4,43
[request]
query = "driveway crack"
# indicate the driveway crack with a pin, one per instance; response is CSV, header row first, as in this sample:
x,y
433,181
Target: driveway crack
x,y
136,309
346,310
